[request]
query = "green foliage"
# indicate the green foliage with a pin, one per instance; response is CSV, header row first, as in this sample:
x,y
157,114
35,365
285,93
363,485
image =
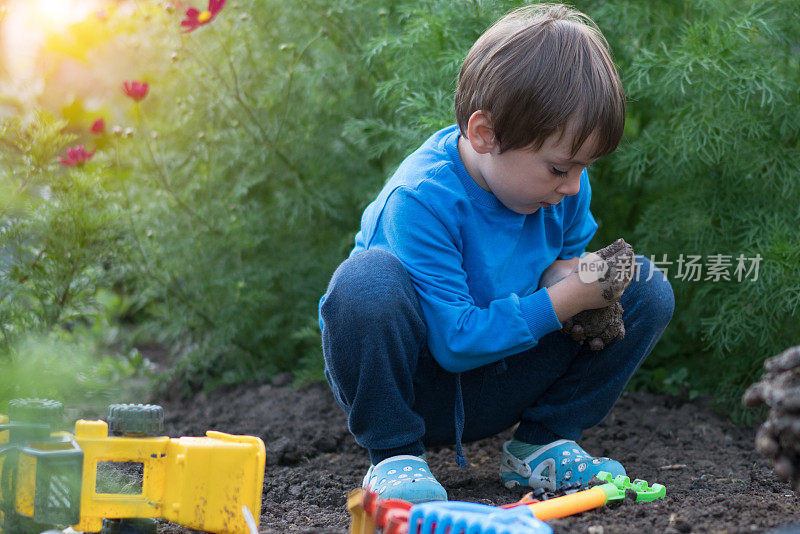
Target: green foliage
x,y
56,231
215,223
420,58
241,185
713,163
59,232
49,366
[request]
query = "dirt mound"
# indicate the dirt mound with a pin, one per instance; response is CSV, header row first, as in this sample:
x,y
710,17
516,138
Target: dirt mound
x,y
779,437
715,480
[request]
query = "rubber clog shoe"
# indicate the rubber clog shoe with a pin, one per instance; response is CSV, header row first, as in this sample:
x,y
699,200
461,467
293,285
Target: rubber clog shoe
x,y
404,477
551,466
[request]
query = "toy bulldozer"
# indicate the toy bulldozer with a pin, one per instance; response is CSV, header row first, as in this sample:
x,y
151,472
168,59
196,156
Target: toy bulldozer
x,y
51,479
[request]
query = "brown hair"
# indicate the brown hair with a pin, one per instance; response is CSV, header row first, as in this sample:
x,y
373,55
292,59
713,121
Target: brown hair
x,y
537,70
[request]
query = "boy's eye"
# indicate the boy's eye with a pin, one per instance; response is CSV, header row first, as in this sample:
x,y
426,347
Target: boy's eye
x,y
558,172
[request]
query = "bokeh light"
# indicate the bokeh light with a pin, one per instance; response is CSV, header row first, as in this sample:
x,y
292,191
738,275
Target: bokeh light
x,y
28,23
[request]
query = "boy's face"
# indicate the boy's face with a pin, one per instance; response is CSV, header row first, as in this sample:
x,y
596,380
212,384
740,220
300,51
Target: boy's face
x,y
525,180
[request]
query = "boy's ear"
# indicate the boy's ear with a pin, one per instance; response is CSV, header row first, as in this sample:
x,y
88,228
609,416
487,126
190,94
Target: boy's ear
x,y
481,133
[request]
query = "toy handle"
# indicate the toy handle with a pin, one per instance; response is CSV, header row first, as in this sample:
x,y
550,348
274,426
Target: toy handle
x,y
568,505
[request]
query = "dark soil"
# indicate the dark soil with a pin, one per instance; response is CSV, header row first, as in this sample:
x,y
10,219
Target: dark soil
x,y
715,480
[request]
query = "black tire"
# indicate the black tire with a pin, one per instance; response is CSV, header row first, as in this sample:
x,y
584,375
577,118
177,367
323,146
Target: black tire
x,y
129,526
136,419
38,411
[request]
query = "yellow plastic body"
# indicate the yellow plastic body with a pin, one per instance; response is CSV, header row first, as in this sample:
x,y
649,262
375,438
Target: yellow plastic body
x,y
26,485
200,483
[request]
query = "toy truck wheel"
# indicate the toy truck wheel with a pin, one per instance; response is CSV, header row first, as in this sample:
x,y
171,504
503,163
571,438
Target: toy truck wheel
x,y
129,526
38,411
136,419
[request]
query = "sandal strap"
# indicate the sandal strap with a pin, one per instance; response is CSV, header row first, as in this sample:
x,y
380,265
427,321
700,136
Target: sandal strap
x,y
517,465
523,467
551,465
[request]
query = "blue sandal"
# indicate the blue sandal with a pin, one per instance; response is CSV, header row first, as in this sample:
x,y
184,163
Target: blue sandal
x,y
551,466
404,477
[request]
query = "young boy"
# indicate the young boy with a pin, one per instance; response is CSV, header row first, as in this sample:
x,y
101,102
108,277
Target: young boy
x,y
443,324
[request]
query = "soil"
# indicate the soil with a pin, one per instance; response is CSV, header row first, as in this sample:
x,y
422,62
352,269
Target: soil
x,y
715,480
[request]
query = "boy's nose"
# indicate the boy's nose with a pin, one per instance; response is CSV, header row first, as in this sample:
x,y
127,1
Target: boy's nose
x,y
573,185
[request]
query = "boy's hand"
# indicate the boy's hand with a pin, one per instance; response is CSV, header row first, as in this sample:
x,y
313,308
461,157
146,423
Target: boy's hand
x,y
612,268
557,271
600,279
597,327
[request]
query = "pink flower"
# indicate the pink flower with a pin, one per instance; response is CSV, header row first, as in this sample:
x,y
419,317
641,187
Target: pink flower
x,y
135,89
98,127
195,18
77,155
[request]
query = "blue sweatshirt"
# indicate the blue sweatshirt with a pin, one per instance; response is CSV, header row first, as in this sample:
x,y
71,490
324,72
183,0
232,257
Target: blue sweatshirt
x,y
475,264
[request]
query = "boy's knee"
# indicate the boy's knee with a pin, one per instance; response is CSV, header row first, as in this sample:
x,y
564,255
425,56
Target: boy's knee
x,y
368,285
656,290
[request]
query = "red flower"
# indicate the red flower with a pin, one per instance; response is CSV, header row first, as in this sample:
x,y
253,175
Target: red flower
x,y
135,89
98,127
77,155
194,18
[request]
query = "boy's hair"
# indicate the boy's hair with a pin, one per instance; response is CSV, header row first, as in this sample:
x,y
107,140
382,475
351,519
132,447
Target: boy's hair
x,y
538,70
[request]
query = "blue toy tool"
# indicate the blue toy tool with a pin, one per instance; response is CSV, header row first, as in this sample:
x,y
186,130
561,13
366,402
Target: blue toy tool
x,y
470,517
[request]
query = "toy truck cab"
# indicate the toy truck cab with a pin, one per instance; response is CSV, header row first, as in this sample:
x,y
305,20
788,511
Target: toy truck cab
x,y
204,483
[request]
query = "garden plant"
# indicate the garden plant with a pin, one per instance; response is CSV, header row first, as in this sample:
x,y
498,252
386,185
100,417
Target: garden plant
x,y
178,181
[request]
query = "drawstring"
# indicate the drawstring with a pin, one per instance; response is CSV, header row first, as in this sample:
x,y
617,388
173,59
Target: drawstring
x,y
497,369
459,420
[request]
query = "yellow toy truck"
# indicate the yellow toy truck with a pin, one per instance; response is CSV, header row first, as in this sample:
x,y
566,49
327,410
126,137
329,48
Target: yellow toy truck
x,y
53,479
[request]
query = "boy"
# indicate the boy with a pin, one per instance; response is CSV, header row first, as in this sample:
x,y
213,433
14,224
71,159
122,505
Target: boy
x,y
443,324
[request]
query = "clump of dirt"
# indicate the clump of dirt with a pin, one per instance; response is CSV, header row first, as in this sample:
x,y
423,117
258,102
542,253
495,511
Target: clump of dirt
x,y
715,480
779,437
621,268
596,327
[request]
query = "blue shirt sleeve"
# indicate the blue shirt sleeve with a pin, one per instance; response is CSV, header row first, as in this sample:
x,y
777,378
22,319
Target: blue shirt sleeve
x,y
583,226
461,335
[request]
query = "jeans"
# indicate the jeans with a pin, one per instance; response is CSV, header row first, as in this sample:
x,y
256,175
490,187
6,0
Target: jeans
x,y
399,400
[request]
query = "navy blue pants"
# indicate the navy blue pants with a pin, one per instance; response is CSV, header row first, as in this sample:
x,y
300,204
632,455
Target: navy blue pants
x,y
398,399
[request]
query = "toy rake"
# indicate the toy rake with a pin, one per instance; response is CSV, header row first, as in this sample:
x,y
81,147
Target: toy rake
x,y
393,516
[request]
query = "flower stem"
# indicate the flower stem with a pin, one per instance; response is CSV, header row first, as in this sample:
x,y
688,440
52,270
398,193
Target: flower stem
x,y
298,178
143,126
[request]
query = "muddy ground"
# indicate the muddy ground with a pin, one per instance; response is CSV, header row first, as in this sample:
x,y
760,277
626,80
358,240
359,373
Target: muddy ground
x,y
715,480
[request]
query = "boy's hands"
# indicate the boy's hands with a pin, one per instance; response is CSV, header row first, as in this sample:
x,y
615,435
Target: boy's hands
x,y
586,299
611,268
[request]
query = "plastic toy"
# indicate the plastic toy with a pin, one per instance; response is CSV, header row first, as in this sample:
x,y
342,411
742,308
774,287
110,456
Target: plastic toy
x,y
56,479
393,516
610,490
